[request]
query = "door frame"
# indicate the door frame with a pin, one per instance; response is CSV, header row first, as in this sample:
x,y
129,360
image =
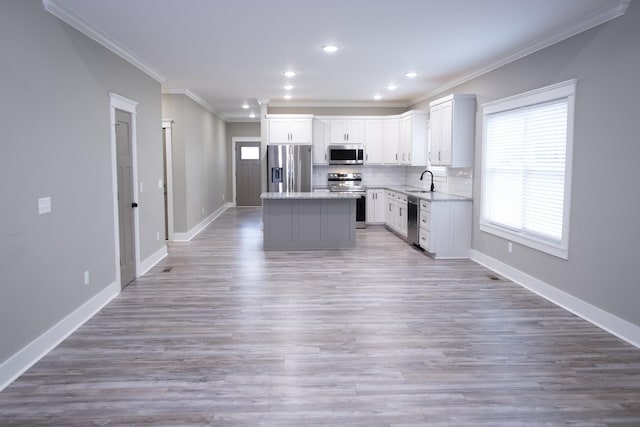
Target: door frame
x,y
167,128
117,102
234,141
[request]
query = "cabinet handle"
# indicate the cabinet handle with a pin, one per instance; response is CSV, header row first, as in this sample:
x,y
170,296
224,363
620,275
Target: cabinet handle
x,y
396,157
400,211
439,155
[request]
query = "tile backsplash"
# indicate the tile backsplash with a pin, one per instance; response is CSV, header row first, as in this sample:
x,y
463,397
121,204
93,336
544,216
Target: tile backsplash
x,y
456,181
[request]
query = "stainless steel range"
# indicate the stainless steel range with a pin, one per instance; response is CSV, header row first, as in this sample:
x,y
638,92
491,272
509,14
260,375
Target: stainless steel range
x,y
351,182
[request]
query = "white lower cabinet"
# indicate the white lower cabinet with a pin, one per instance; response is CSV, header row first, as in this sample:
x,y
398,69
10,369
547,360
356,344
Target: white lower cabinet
x,y
445,228
396,212
375,206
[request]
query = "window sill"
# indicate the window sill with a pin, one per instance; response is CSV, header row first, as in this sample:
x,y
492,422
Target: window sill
x,y
531,242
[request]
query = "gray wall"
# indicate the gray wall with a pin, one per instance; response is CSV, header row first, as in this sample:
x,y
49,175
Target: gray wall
x,y
235,130
605,231
55,142
199,160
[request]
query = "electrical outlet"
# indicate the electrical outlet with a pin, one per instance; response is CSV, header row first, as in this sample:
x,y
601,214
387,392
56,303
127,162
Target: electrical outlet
x,y
157,235
509,247
160,186
86,277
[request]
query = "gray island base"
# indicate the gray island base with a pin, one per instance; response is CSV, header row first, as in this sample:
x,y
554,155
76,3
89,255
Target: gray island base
x,y
308,221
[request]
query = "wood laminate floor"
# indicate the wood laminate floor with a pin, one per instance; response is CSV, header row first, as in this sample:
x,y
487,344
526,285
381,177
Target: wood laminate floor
x,y
377,336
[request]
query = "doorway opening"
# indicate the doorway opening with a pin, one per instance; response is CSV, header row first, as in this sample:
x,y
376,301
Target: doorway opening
x,y
168,179
124,175
247,171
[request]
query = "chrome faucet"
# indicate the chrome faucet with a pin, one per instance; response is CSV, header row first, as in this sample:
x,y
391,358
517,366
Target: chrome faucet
x,y
422,175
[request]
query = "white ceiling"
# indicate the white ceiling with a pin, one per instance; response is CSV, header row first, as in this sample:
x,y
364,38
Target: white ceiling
x,y
226,52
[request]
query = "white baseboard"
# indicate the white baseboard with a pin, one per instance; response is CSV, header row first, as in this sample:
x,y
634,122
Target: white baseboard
x,y
185,237
17,364
621,328
148,263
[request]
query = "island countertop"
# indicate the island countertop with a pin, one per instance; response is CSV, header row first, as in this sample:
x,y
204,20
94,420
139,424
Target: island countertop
x,y
316,195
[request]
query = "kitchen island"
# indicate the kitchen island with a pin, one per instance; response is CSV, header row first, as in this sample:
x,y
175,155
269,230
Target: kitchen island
x,y
308,221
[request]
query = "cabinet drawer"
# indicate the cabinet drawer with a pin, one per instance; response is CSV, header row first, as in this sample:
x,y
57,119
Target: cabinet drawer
x,y
425,239
424,205
425,220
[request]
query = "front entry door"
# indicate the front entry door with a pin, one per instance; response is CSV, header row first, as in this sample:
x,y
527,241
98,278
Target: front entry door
x,y
126,203
248,182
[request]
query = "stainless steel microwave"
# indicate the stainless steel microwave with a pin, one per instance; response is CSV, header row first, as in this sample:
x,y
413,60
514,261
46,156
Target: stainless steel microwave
x,y
346,154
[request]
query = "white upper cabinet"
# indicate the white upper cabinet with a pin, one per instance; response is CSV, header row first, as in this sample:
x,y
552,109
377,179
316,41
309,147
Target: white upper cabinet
x,y
320,141
346,131
452,125
373,142
294,129
390,135
412,139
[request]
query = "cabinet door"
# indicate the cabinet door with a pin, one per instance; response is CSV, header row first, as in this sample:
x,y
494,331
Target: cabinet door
x,y
446,135
371,206
338,132
388,209
355,131
347,132
300,130
320,139
379,206
390,141
373,141
279,132
404,141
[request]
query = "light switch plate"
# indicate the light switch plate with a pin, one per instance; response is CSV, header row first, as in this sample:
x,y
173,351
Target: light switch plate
x,y
160,184
44,205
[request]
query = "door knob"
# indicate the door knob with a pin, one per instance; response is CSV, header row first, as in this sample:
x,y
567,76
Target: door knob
x,y
134,205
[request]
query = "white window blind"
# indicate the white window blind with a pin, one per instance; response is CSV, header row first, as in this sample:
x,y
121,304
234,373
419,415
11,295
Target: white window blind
x,y
525,177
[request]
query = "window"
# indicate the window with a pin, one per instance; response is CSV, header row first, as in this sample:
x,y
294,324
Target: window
x,y
526,168
249,153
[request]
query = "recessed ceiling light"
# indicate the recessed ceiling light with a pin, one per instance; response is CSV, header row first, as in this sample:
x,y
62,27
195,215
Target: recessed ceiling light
x,y
377,97
245,106
411,74
287,96
392,87
252,115
330,48
287,87
289,73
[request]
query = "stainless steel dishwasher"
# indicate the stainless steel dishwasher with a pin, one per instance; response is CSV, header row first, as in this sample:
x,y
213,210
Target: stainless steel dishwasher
x,y
412,220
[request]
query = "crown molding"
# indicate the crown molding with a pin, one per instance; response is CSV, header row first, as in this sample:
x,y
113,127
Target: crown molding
x,y
64,14
339,104
195,98
241,120
593,20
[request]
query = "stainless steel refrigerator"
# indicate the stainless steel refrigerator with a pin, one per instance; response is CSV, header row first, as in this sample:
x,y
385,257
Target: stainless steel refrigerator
x,y
289,168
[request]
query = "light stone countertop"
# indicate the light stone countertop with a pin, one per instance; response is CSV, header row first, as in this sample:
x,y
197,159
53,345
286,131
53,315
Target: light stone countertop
x,y
436,196
317,195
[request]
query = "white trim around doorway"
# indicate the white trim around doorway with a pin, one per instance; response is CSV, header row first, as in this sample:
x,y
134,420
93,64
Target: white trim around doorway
x,y
167,129
234,141
117,102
